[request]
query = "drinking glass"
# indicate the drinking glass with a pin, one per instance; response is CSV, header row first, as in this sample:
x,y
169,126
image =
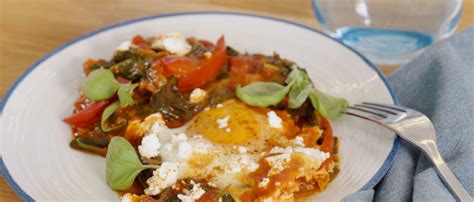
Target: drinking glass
x,y
388,32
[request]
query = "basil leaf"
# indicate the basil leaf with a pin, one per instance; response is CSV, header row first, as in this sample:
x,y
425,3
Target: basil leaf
x,y
328,106
125,93
299,93
122,164
262,94
106,114
100,85
296,75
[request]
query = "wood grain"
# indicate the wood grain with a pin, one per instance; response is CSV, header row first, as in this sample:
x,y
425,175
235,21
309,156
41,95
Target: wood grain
x,y
30,28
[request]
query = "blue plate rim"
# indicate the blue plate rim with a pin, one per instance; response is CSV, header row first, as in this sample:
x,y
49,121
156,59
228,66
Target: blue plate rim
x,y
372,182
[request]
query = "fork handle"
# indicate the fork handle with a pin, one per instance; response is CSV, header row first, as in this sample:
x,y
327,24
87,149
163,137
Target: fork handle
x,y
445,173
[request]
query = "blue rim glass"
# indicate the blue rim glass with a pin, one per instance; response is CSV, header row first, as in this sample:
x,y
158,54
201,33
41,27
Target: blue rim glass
x,y
372,182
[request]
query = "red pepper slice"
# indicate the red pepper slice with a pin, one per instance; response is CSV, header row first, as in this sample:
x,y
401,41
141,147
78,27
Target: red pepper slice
x,y
88,115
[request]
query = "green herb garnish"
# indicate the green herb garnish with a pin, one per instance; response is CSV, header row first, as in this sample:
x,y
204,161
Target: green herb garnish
x,y
262,94
296,75
125,93
122,164
100,85
299,88
328,106
83,145
299,93
106,114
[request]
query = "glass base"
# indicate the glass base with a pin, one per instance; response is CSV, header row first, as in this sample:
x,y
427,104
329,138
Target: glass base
x,y
385,46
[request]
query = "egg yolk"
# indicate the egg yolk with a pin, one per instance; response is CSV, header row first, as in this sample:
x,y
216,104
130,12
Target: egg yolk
x,y
233,123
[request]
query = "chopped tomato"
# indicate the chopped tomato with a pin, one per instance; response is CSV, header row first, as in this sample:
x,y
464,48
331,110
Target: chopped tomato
x,y
88,115
328,138
157,65
241,65
242,69
194,73
207,69
139,41
178,65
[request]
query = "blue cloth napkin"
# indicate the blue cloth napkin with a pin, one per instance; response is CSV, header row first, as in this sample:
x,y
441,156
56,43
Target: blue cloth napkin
x,y
440,84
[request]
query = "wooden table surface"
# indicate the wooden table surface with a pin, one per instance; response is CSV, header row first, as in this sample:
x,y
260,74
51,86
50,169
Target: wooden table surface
x,y
31,28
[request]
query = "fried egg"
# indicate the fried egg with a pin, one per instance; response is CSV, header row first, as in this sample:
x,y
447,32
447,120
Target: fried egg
x,y
223,145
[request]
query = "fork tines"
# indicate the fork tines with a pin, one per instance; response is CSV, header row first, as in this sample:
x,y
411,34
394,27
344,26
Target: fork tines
x,y
375,111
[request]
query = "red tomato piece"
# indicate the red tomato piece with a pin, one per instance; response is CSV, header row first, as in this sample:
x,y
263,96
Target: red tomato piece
x,y
157,65
207,69
241,65
139,41
178,65
88,115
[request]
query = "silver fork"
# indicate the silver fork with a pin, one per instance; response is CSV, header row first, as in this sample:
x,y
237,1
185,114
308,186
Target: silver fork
x,y
415,128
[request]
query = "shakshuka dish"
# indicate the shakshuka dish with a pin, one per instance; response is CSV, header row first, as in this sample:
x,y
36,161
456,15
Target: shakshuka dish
x,y
186,119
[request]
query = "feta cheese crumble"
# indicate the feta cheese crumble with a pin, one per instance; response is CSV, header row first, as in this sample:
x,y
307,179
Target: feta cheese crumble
x,y
299,141
128,197
198,95
154,123
208,55
162,178
212,184
264,182
284,156
222,123
124,46
174,42
150,146
311,152
238,162
158,127
194,195
314,153
278,163
274,120
200,145
252,166
234,167
176,149
276,150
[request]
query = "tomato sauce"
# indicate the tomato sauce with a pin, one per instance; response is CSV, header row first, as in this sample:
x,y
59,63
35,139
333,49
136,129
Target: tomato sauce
x,y
164,84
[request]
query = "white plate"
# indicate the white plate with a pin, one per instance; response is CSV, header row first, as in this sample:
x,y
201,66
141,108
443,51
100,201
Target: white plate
x,y
34,142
